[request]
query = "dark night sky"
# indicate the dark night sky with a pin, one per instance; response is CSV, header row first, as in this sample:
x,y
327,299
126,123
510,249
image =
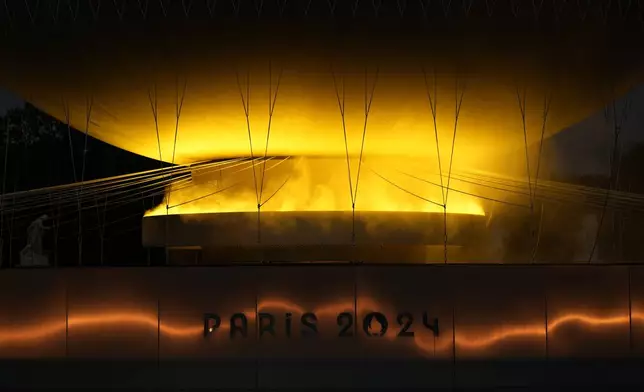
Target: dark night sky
x,y
8,101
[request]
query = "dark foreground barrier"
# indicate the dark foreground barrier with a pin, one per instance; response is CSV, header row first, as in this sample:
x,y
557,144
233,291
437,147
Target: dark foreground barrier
x,y
453,326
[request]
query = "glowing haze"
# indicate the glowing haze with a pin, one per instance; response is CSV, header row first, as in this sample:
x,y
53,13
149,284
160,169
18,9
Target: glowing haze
x,y
313,184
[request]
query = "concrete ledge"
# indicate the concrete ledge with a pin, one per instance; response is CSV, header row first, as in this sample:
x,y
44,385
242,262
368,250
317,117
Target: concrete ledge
x,y
310,228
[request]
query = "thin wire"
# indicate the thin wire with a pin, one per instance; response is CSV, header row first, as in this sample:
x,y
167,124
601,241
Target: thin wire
x,y
616,132
514,184
457,110
101,220
271,110
71,151
624,202
284,183
539,228
4,189
90,104
25,204
478,180
433,104
367,109
129,199
455,177
546,110
246,105
521,99
162,183
237,183
405,190
463,192
100,185
221,190
115,204
204,196
622,205
459,102
69,137
155,114
364,129
123,177
179,107
341,106
154,106
522,184
558,191
438,156
574,189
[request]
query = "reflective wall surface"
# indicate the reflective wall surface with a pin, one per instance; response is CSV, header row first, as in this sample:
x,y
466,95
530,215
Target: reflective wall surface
x,y
468,326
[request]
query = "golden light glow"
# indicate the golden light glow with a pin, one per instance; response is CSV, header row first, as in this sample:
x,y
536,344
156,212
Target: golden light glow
x,y
315,184
307,120
487,133
477,342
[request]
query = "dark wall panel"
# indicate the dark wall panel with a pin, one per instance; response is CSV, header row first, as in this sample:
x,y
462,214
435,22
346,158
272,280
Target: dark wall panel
x,y
588,319
112,315
187,358
424,359
637,310
588,312
32,314
499,316
32,324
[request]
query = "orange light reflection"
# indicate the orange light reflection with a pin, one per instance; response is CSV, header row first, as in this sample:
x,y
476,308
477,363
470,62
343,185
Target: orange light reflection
x,y
429,345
